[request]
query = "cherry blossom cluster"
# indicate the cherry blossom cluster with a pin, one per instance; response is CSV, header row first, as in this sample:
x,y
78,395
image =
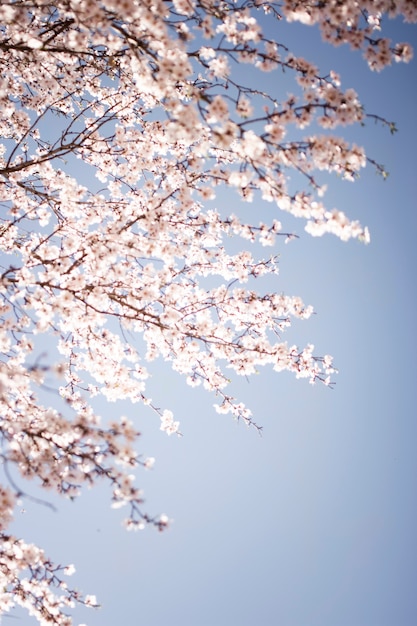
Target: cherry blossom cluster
x,y
358,24
125,124
28,578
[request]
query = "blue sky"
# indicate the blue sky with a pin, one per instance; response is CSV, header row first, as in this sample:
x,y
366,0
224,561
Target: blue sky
x,y
312,524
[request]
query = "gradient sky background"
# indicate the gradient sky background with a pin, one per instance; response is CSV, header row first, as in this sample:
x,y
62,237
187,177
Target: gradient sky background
x,y
312,524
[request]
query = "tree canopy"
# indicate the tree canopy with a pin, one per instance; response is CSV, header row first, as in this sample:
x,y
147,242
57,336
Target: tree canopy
x,y
128,128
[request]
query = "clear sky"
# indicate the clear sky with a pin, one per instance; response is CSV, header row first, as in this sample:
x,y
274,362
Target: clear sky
x,y
312,524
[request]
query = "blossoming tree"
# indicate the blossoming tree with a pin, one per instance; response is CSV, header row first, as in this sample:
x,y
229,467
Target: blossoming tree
x,y
123,122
